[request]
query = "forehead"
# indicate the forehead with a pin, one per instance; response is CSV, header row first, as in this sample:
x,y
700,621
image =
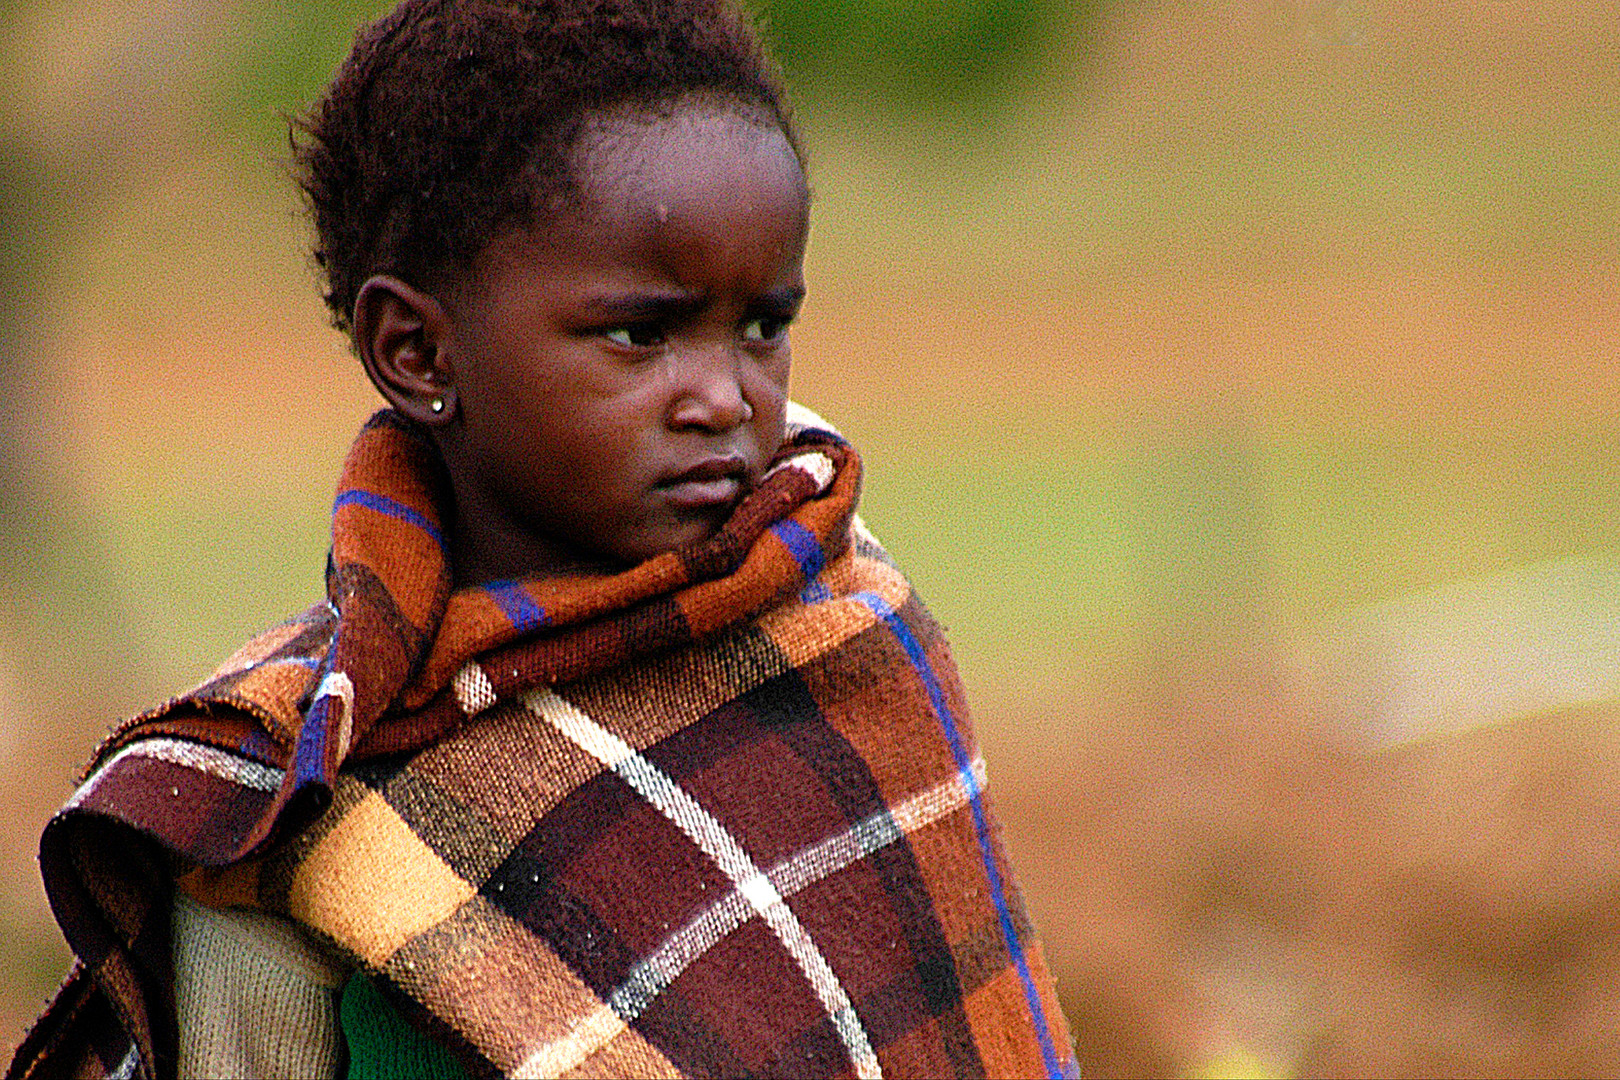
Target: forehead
x,y
693,155
703,199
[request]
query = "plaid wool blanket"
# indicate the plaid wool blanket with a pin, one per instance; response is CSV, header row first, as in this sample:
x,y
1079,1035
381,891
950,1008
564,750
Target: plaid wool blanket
x,y
720,814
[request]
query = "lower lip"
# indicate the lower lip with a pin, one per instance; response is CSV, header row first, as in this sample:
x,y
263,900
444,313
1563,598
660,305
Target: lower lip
x,y
697,494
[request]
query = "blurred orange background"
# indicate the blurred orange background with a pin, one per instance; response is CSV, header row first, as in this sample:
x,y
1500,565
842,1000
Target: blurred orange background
x,y
1241,392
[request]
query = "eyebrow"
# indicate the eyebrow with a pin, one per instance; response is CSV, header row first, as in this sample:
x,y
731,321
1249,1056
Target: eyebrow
x,y
655,306
787,298
644,307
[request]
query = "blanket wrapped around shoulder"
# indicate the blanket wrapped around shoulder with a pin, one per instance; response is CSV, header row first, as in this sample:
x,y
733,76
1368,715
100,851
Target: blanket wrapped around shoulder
x,y
720,814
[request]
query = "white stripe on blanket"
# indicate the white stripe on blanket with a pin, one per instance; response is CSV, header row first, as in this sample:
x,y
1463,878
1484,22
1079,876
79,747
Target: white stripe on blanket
x,y
653,975
192,755
656,786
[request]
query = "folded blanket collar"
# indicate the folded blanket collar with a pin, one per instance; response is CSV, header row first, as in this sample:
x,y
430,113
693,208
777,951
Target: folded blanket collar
x,y
419,774
353,674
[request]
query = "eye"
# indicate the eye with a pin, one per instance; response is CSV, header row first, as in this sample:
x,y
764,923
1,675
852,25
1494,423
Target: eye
x,y
636,335
764,329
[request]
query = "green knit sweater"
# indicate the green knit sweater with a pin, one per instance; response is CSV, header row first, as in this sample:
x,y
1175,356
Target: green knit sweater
x,y
382,1046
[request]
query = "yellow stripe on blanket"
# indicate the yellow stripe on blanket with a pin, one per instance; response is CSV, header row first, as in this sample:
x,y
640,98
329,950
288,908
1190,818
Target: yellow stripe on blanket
x,y
372,883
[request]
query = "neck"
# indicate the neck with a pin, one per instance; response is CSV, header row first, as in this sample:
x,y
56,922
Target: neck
x,y
487,547
478,558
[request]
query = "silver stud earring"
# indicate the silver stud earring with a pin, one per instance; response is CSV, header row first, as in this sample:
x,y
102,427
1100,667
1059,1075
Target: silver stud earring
x,y
748,412
437,405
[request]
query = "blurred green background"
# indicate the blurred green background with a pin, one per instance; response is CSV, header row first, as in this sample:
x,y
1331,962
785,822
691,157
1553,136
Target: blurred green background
x,y
1236,380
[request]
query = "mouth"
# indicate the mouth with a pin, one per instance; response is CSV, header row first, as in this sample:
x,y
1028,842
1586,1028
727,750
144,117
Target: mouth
x,y
714,482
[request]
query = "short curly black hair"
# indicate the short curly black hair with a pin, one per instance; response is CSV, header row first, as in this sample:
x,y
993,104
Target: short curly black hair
x,y
454,120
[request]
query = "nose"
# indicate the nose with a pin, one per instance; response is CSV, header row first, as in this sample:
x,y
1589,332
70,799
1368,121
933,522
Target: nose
x,y
708,390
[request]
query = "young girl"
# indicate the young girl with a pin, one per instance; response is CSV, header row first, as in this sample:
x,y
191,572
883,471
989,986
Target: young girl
x,y
618,747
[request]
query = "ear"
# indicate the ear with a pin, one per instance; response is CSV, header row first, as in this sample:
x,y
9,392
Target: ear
x,y
399,331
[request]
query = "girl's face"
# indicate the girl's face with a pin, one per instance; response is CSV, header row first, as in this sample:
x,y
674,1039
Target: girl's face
x,y
620,376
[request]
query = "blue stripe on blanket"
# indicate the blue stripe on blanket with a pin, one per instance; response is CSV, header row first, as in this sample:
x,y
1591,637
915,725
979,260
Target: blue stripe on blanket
x,y
309,756
517,605
815,593
803,546
391,507
1055,1067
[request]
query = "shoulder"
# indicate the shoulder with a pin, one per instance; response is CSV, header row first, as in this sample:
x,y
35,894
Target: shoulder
x,y
254,994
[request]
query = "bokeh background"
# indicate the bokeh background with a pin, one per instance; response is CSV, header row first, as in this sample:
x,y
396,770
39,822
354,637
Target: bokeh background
x,y
1236,379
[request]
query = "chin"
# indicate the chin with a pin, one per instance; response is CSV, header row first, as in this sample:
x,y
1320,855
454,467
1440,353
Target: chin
x,y
696,533
670,534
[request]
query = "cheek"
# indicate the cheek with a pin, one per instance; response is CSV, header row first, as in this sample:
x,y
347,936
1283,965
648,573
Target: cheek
x,y
767,394
771,375
770,422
